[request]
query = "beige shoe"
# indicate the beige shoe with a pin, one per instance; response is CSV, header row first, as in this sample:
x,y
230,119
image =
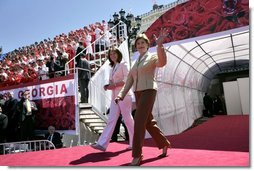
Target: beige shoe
x,y
98,147
165,151
136,161
129,148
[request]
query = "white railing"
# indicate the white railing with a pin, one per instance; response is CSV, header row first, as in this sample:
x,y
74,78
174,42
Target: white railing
x,y
25,146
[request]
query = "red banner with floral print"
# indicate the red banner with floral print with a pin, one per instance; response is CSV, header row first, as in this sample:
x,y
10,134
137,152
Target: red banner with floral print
x,y
59,112
200,17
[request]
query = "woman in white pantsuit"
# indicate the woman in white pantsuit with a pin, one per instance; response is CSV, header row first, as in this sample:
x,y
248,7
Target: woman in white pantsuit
x,y
118,76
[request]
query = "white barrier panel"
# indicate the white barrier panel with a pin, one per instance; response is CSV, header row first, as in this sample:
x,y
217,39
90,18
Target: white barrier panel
x,y
232,98
244,90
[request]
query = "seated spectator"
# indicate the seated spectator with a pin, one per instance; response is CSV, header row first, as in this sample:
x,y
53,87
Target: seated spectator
x,y
54,137
53,66
42,70
3,126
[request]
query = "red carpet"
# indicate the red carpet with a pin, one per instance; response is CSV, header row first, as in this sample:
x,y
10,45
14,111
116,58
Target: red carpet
x,y
221,141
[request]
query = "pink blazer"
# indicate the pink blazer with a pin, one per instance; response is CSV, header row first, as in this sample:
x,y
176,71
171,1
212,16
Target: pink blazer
x,y
118,74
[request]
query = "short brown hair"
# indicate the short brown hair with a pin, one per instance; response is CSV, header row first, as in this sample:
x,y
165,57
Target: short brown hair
x,y
144,37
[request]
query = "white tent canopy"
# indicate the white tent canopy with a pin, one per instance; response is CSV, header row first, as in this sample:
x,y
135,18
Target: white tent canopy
x,y
191,65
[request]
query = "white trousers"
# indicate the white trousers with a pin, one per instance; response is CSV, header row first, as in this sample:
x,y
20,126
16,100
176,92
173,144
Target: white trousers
x,y
125,108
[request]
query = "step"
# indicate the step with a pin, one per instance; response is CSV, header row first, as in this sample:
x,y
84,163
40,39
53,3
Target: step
x,y
85,105
99,131
86,112
98,128
97,124
88,121
90,116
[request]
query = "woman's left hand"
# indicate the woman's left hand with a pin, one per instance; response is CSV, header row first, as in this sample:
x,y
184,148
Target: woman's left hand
x,y
106,87
163,34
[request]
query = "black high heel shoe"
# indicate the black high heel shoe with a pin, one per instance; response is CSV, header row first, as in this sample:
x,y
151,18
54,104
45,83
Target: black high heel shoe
x,y
136,161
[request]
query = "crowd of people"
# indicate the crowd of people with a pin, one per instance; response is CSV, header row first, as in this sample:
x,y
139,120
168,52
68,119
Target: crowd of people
x,y
46,59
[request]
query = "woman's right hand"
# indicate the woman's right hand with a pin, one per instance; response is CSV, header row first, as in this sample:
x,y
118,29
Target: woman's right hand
x,y
117,99
162,36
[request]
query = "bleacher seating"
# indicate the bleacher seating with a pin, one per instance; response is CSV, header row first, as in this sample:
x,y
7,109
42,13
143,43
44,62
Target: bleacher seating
x,y
32,63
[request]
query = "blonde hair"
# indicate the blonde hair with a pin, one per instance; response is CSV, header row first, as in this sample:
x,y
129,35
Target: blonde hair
x,y
144,37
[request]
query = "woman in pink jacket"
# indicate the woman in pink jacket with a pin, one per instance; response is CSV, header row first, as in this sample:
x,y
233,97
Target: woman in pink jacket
x,y
118,76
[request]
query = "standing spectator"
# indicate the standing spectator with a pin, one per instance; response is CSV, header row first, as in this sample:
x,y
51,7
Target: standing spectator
x,y
13,118
26,109
107,37
98,34
208,103
84,77
218,108
141,77
2,101
80,52
89,48
3,126
54,137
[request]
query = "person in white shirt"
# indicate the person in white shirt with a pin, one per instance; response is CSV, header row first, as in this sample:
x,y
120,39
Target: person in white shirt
x,y
88,39
98,34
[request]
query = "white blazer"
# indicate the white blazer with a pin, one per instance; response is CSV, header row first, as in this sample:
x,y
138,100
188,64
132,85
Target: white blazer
x,y
117,74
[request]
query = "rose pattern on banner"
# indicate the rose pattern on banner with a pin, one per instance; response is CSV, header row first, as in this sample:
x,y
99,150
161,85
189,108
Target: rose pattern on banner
x,y
200,17
59,112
